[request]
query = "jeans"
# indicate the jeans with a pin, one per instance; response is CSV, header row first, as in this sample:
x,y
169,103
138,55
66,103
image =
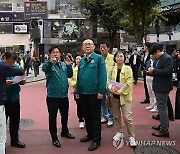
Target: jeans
x,y
106,113
2,129
163,111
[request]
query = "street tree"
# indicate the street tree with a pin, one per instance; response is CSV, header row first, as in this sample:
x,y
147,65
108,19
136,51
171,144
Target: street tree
x,y
139,15
104,13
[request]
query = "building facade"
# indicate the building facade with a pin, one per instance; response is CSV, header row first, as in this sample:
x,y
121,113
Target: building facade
x,y
14,30
169,29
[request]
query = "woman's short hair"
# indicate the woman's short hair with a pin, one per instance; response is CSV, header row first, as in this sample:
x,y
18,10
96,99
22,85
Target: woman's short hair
x,y
116,55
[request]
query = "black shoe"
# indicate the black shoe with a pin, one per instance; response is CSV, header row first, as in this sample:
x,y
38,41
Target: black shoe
x,y
171,118
85,139
67,135
156,117
93,146
161,133
156,127
18,144
56,143
135,82
145,101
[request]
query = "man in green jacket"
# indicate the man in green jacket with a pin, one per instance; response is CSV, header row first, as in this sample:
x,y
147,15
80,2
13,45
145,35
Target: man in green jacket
x,y
12,109
57,74
90,87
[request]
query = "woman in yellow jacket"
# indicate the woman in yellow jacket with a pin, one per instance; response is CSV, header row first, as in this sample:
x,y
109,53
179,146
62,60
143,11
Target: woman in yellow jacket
x,y
120,99
72,82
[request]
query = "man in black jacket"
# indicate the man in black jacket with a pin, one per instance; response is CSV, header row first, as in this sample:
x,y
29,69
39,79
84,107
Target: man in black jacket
x,y
135,64
162,85
147,46
6,71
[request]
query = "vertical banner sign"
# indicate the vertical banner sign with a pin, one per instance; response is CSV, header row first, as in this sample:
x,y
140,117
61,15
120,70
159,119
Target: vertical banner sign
x,y
35,10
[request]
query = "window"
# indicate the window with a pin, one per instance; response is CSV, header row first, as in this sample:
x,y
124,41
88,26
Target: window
x,y
20,7
6,28
6,7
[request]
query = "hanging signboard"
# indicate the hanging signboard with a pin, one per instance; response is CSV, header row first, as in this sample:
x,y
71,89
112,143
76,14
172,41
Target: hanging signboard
x,y
35,10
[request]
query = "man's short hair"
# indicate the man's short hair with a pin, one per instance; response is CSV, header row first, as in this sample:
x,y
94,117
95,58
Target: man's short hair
x,y
148,44
154,48
103,42
10,54
54,47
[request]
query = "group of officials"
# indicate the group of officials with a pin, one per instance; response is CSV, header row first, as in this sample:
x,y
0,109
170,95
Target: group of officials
x,y
94,73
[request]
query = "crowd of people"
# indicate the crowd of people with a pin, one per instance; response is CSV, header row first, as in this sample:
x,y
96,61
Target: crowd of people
x,y
103,86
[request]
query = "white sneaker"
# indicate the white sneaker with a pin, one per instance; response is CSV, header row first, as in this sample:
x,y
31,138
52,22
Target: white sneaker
x,y
149,107
81,125
118,140
132,142
118,135
103,120
110,123
154,109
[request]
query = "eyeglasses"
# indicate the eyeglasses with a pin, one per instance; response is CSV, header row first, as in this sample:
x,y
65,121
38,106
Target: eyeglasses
x,y
88,44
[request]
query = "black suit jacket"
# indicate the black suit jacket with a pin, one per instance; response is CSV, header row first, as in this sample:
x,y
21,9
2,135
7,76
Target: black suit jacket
x,y
162,81
143,63
138,61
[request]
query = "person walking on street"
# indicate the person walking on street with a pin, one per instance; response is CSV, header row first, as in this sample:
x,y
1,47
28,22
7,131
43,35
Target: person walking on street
x,y
135,64
36,63
27,62
90,87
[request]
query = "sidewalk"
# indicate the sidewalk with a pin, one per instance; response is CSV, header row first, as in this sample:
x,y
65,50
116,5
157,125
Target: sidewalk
x,y
38,141
40,77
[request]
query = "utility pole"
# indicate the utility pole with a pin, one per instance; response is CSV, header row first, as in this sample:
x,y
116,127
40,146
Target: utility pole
x,y
35,31
157,29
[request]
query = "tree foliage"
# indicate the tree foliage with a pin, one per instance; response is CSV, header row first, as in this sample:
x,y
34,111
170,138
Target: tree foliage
x,y
105,13
133,16
139,15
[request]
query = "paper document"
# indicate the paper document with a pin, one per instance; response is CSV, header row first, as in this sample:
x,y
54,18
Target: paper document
x,y
18,79
115,85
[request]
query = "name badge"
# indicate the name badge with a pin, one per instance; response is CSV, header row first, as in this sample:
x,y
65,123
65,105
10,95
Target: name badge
x,y
92,61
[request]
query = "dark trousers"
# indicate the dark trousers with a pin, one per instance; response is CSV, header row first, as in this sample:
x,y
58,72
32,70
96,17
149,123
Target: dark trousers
x,y
170,108
145,86
53,105
163,111
36,69
12,110
26,69
79,109
91,108
135,72
177,105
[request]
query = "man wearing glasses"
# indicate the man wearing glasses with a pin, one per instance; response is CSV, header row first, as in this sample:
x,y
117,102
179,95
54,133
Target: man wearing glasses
x,y
90,87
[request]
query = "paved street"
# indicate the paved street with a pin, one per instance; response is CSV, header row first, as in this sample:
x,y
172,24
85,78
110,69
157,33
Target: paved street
x,y
38,141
